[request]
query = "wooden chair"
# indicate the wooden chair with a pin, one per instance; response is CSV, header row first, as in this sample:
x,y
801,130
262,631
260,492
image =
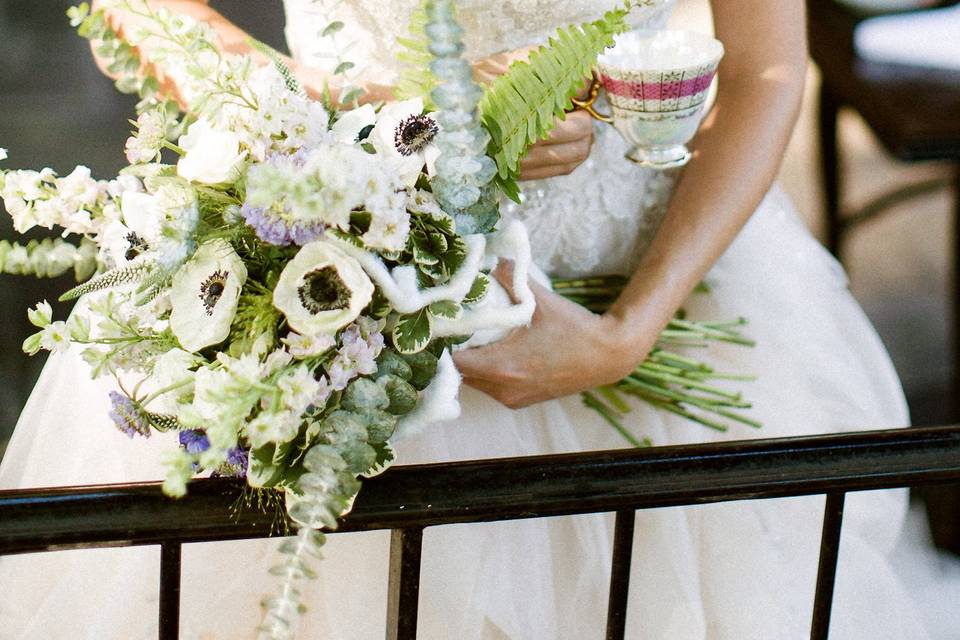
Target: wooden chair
x,y
915,113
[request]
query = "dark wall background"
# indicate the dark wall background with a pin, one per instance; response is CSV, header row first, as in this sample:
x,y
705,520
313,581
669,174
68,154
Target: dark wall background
x,y
57,110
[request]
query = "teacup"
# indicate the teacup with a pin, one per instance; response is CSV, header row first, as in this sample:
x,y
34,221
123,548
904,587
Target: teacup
x,y
656,83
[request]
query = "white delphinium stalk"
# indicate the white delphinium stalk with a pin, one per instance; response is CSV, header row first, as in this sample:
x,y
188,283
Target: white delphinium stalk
x,y
48,258
40,198
53,336
171,380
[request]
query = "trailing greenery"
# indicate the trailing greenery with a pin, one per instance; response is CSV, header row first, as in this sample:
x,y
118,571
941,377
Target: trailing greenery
x,y
416,79
523,105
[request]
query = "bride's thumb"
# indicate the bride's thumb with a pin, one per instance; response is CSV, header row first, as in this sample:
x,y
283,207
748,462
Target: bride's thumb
x,y
504,275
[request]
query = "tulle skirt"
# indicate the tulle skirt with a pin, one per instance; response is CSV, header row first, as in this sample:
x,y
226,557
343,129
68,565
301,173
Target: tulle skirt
x,y
731,571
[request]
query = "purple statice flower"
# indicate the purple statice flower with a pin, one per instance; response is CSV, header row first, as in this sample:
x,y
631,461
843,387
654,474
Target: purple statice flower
x,y
195,442
237,458
275,224
277,229
236,466
128,415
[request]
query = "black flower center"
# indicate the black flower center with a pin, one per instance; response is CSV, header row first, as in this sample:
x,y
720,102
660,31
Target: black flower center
x,y
323,290
135,246
414,133
212,290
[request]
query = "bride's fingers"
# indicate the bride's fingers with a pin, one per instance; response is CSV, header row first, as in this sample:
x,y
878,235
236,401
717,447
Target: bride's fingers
x,y
578,125
557,154
542,173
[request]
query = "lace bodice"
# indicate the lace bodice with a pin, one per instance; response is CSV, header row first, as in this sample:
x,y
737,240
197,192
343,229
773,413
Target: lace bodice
x,y
597,219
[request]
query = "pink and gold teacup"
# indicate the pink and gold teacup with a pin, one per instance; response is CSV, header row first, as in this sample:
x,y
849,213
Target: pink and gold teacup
x,y
657,82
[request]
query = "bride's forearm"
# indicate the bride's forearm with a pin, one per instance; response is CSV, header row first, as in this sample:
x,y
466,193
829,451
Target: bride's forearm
x,y
735,160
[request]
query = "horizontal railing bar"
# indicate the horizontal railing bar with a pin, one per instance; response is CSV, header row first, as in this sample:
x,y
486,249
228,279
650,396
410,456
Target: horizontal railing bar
x,y
489,490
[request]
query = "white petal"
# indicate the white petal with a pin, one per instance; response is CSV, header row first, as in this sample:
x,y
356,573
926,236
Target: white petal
x,y
352,122
192,323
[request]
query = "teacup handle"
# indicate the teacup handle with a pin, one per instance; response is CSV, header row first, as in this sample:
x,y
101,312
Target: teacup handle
x,y
586,104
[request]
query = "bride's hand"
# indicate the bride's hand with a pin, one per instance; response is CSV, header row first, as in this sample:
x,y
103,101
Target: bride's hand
x,y
569,143
566,349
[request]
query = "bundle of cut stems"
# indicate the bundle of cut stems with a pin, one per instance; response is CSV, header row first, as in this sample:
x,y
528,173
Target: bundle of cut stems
x,y
668,378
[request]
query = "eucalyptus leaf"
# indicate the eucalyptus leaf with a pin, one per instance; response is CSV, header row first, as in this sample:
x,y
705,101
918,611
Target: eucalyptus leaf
x,y
403,396
389,363
364,394
261,472
380,425
424,367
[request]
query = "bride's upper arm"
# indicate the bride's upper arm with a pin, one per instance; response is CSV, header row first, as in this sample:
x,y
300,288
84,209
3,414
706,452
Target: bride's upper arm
x,y
765,42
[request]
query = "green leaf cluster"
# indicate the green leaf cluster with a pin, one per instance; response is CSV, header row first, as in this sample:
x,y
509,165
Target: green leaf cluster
x,y
437,251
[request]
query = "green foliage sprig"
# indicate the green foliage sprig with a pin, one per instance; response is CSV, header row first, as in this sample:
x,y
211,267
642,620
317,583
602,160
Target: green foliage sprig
x,y
416,79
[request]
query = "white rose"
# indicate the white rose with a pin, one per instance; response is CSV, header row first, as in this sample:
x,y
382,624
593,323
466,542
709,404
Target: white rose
x,y
212,156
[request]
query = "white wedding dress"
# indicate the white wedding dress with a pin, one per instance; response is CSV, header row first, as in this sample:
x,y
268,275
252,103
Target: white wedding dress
x,y
736,571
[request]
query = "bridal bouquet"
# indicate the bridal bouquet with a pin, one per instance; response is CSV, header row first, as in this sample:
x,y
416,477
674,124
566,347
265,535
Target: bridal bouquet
x,y
280,281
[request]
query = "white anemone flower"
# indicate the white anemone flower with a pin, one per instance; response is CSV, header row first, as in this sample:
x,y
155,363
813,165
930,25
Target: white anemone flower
x,y
404,137
350,124
322,289
205,294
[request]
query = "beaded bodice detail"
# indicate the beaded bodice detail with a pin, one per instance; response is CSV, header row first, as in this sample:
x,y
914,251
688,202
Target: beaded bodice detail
x,y
599,218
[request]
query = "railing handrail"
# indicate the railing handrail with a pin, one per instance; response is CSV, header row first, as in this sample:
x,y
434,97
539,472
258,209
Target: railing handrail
x,y
498,489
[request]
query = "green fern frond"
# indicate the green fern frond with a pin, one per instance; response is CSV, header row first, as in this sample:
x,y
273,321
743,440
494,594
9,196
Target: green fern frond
x,y
274,56
130,274
522,106
416,80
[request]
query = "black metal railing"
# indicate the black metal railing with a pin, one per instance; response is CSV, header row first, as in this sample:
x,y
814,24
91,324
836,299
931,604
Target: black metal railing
x,y
407,499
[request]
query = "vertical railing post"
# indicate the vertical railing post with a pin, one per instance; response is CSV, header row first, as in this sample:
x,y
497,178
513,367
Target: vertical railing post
x,y
403,587
827,572
620,574
170,591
